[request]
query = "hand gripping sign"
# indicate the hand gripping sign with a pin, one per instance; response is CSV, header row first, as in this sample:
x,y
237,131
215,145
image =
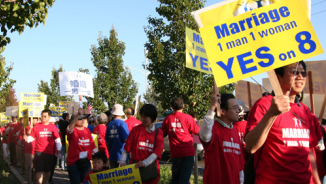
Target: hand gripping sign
x,y
258,41
126,174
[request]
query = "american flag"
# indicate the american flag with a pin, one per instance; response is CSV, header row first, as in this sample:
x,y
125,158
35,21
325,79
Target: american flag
x,y
89,107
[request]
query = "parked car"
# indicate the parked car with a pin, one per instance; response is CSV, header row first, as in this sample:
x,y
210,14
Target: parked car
x,y
200,148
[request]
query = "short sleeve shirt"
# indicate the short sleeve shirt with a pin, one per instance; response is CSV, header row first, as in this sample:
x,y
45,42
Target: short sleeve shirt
x,y
132,122
284,158
12,139
117,131
180,127
45,135
223,156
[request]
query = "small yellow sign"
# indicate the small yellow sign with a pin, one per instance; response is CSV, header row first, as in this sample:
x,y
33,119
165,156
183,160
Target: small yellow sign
x,y
126,174
196,57
25,117
260,40
32,97
34,108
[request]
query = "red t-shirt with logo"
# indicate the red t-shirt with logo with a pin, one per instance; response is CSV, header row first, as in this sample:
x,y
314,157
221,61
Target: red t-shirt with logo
x,y
100,130
29,147
132,122
285,155
180,127
240,126
12,139
319,160
223,156
19,128
80,143
140,144
45,135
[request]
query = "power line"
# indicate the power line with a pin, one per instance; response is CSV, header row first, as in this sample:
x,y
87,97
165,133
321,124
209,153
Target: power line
x,y
318,2
318,12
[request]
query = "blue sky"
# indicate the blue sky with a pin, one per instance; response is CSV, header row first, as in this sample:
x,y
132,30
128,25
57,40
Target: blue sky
x,y
73,26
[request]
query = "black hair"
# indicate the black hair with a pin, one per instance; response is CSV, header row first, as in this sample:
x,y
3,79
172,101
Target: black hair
x,y
108,113
47,111
177,103
280,71
65,115
100,155
149,110
21,118
130,111
225,100
265,93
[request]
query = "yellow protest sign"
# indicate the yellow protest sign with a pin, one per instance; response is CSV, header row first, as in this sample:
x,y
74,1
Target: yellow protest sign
x,y
196,57
34,108
227,9
253,42
57,111
37,97
64,104
126,174
25,117
4,119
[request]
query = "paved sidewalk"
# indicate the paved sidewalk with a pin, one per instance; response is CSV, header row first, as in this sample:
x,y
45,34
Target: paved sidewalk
x,y
59,177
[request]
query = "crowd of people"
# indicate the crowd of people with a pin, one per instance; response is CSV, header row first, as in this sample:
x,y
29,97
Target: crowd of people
x,y
279,141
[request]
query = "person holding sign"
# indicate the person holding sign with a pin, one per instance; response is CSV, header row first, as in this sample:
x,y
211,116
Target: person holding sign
x,y
81,147
99,162
46,137
29,152
224,161
145,143
280,132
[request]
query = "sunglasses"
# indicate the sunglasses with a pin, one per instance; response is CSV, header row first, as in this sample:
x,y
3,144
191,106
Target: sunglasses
x,y
296,73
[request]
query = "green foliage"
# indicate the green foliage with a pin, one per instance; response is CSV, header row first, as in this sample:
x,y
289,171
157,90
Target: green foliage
x,y
229,88
112,82
166,174
150,98
16,14
5,82
166,52
6,176
53,90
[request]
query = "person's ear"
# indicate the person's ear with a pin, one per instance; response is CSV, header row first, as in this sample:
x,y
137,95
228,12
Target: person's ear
x,y
223,112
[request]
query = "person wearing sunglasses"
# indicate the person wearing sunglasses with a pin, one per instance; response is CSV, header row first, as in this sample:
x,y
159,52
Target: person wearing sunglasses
x,y
224,161
281,133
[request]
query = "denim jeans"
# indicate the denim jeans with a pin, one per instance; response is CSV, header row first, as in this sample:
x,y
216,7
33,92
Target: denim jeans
x,y
63,158
77,175
182,168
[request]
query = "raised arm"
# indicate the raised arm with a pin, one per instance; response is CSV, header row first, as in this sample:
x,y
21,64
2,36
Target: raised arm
x,y
72,124
258,135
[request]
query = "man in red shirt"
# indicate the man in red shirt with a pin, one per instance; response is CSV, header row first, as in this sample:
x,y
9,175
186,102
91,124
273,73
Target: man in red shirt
x,y
223,151
131,120
12,139
18,131
281,133
240,126
180,127
4,142
46,138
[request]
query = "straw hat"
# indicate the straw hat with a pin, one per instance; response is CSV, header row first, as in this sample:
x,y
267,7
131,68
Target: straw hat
x,y
117,110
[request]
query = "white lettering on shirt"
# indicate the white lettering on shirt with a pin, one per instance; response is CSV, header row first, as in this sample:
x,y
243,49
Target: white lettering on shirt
x,y
295,133
146,146
114,132
83,142
45,133
227,145
176,126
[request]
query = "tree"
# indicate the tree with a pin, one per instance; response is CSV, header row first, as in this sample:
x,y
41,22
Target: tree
x,y
166,52
53,90
16,14
5,82
150,98
112,82
10,100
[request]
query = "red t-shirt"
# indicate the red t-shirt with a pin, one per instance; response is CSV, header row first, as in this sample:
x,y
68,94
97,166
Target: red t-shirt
x,y
223,156
179,127
19,128
12,139
140,144
45,135
285,156
320,161
3,131
80,141
132,122
240,126
29,147
100,130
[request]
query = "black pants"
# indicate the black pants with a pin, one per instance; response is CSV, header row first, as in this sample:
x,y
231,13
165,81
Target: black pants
x,y
53,167
12,149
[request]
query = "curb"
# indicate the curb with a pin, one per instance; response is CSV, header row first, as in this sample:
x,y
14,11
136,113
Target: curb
x,y
16,173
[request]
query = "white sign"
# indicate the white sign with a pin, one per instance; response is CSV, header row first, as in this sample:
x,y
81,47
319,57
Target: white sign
x,y
76,83
12,111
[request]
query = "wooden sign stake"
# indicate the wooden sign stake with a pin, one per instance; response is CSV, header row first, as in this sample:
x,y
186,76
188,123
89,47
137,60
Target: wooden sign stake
x,y
312,105
274,82
215,90
321,114
249,96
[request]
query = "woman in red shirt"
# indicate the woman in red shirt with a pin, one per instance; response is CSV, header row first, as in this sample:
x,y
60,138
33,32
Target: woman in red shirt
x,y
142,143
100,130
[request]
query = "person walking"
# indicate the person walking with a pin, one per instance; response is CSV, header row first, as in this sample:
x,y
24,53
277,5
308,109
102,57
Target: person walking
x,y
100,130
12,139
